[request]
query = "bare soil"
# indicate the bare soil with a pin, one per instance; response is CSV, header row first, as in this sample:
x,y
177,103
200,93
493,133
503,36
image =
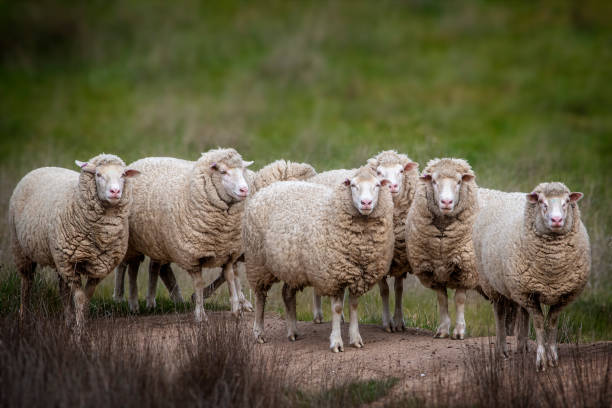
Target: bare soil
x,y
412,356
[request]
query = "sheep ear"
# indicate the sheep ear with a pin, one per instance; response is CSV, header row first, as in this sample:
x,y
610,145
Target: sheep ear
x,y
347,182
468,177
425,177
85,166
131,173
373,163
575,197
411,166
214,166
246,163
533,197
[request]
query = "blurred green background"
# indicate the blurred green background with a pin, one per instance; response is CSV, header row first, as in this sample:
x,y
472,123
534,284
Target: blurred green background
x,y
523,90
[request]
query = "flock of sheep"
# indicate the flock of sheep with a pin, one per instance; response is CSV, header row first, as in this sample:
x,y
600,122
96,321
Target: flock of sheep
x,y
335,231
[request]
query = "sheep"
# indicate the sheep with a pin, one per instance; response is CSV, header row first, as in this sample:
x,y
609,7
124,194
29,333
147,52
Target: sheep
x,y
532,250
76,223
275,171
307,234
439,236
402,174
189,213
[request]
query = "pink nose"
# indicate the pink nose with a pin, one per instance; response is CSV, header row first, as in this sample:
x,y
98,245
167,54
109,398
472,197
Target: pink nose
x,y
244,190
394,187
115,191
366,203
556,220
447,202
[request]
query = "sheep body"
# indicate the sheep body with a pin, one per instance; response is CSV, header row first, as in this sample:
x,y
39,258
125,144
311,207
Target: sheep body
x,y
401,204
439,246
307,234
58,220
522,264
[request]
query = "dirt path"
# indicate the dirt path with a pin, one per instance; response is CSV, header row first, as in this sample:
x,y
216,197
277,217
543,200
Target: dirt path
x,y
412,356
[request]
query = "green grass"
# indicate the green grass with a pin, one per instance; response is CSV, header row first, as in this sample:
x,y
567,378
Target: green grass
x,y
521,90
352,394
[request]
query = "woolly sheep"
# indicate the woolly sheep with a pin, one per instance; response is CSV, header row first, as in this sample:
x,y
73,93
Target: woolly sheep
x,y
333,239
402,175
189,213
74,223
532,250
275,171
439,236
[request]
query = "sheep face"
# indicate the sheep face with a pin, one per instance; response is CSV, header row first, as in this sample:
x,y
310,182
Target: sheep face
x,y
110,180
394,174
553,209
233,179
364,191
446,188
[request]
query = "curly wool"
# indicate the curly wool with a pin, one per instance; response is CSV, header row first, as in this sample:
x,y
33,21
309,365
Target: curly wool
x,y
324,243
183,214
279,170
58,220
517,259
439,247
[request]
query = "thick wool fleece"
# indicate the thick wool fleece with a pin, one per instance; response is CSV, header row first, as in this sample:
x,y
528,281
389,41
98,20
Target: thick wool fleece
x,y
183,214
518,260
58,220
279,170
439,247
306,234
401,202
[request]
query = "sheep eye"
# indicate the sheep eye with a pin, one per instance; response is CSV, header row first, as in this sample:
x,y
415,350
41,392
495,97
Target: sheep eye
x,y
223,172
378,173
459,182
402,170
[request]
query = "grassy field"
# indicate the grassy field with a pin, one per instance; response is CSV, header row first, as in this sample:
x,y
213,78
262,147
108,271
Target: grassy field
x,y
521,90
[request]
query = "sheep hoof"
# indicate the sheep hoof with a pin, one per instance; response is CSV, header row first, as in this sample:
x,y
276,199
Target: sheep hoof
x,y
337,347
357,344
458,336
134,308
261,339
151,304
247,307
398,327
387,328
317,320
292,337
441,335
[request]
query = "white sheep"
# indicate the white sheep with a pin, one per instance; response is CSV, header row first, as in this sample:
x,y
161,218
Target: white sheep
x,y
402,175
439,236
333,239
74,223
189,213
275,171
532,250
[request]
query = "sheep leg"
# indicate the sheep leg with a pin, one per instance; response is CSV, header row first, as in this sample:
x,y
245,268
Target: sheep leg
x,y
444,327
317,312
198,291
245,305
260,305
499,308
398,317
535,312
210,289
511,315
119,282
27,278
133,275
551,333
79,297
152,288
228,272
386,315
354,336
335,339
167,276
66,300
459,331
289,299
523,329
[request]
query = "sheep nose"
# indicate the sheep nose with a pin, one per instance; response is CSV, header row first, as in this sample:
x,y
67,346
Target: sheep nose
x,y
244,190
556,220
366,202
115,191
394,187
447,202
